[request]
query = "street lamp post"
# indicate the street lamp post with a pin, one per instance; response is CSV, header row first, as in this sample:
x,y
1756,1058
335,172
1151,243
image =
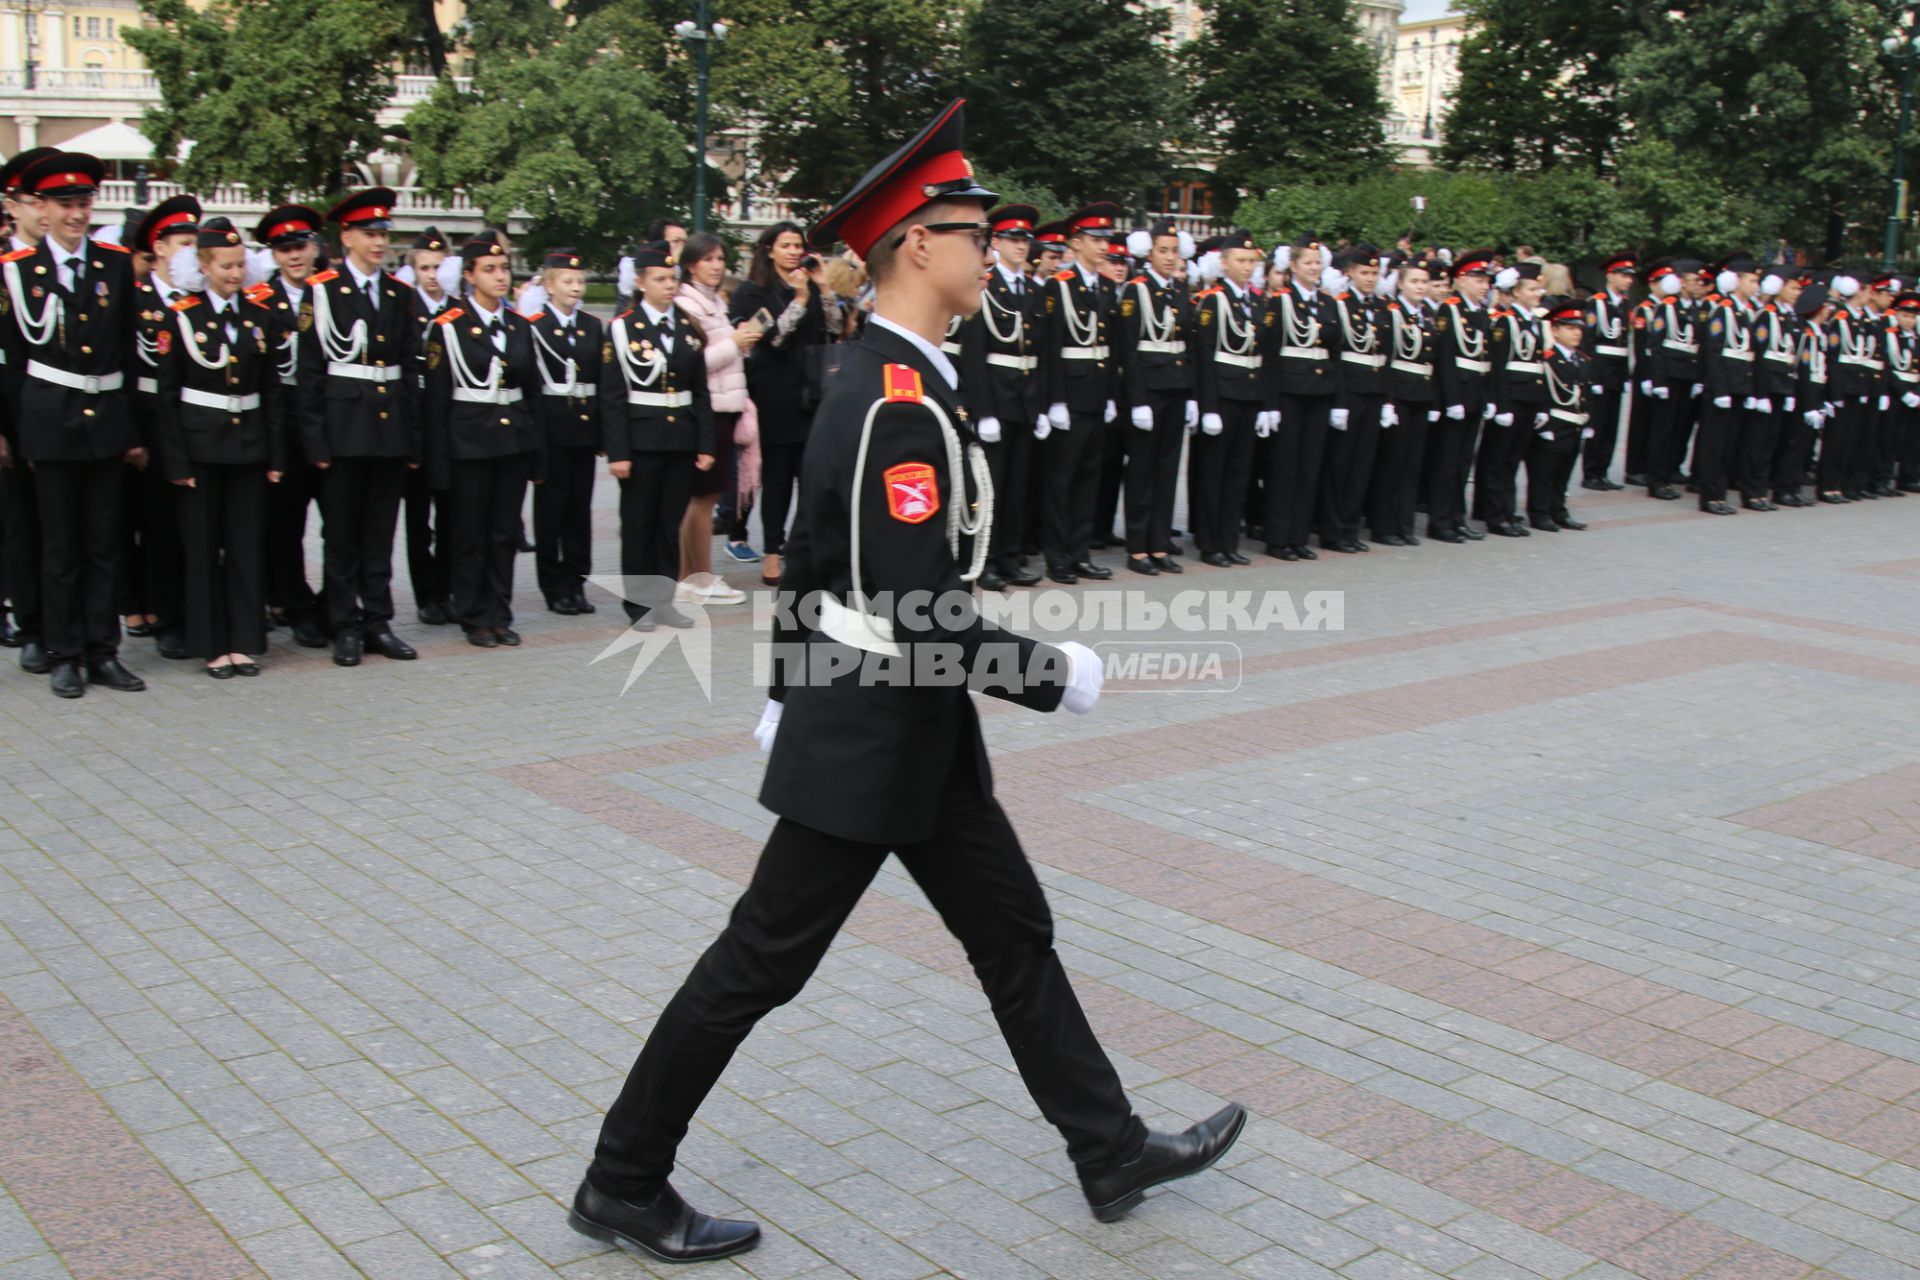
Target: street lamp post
x,y
1896,211
698,34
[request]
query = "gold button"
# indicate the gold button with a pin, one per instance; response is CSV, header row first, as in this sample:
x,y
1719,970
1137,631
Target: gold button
x,y
380,390
86,351
506,422
379,337
379,364
383,415
236,422
88,412
83,316
669,417
583,417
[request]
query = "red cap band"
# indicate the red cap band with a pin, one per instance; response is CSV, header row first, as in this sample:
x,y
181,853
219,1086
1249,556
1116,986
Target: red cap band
x,y
53,180
903,193
367,214
279,229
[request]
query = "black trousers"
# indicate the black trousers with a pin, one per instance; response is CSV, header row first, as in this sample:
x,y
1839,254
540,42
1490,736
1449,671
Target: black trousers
x,y
1450,447
976,876
1603,415
483,527
1396,471
1153,473
1217,470
223,524
1496,486
1072,462
653,501
1294,454
779,475
1753,456
1010,461
1909,445
1256,495
1839,442
1883,456
153,564
563,520
429,561
1550,460
1347,471
82,545
1713,449
1672,422
359,506
1639,430
1117,445
287,589
731,511
1793,445
20,528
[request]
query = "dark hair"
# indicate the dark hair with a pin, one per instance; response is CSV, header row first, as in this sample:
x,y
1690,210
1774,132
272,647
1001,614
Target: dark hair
x,y
698,246
760,270
657,229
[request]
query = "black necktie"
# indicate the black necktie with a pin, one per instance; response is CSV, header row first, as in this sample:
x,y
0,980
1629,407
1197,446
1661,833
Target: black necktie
x,y
78,265
494,330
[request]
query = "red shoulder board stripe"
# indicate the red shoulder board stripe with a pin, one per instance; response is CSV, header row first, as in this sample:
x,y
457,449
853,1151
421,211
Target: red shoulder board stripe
x,y
18,254
1138,280
108,244
259,291
1063,275
903,384
323,277
187,303
535,316
449,315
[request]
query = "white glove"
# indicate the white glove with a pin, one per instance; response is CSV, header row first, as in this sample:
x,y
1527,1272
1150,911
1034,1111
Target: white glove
x,y
1539,421
1057,415
1085,674
1486,413
1723,402
1457,412
1211,424
1814,418
1911,399
1143,417
989,430
1112,412
1273,419
1261,427
1193,414
1433,415
1787,404
1502,419
1664,393
768,726
1389,415
1698,387
1762,405
1884,402
1586,433
1042,429
1338,419
1599,390
1646,385
1747,403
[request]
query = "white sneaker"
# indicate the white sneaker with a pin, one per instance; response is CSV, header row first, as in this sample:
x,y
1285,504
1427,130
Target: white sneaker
x,y
718,592
685,593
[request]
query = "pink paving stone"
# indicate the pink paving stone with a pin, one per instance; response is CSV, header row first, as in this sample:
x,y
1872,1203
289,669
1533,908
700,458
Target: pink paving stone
x,y
1607,1229
1836,1061
1677,1011
1757,1263
1195,1052
1626,994
1250,1068
1583,979
1439,1154
1772,1092
1834,1111
1612,1037
1716,1073
1569,1019
1893,1133
1553,1200
1890,1081
1503,1173
1678,1250
1729,1027
1537,965
1781,1044
1333,1111
1427,973
1665,1054
1378,1134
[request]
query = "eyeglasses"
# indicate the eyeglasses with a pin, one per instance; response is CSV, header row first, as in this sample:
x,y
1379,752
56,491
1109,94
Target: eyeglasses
x,y
982,232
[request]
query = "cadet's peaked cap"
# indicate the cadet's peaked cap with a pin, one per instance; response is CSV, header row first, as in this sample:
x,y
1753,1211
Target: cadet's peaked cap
x,y
1096,219
430,239
1474,262
289,225
369,210
1564,310
480,248
1737,261
13,170
563,258
175,213
217,233
1526,270
1622,262
660,253
932,166
1014,220
1908,301
63,173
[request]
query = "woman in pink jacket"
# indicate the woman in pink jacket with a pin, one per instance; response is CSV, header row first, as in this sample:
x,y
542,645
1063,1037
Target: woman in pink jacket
x,y
703,265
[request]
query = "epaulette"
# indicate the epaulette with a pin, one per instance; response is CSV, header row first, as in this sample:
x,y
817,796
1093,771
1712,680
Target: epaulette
x,y
323,276
1138,280
1454,301
1392,305
624,314
1063,275
1206,293
108,244
535,316
18,254
903,385
187,303
258,303
259,291
1342,296
449,315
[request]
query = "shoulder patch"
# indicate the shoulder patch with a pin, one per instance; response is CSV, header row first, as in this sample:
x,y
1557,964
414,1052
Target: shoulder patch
x,y
449,315
18,254
903,385
187,303
913,490
322,277
1063,275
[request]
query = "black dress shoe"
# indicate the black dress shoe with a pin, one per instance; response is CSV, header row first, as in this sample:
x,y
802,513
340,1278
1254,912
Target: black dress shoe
x,y
1167,564
1666,493
1718,509
668,616
1507,530
1834,499
172,644
33,658
667,1227
1346,546
9,638
1637,480
1568,522
1863,495
1307,553
1391,540
1447,535
562,605
140,630
1605,483
435,613
222,673
246,668
1065,577
1113,1192
1237,558
644,623
1758,504
347,647
308,635
1282,553
1218,559
1143,564
1544,526
1088,569
482,638
66,680
109,672
1472,534
507,636
991,581
389,645
581,604
1022,577
1408,540
1591,483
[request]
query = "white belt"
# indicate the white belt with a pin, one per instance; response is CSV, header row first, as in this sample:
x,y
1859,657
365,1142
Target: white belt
x,y
1906,377
1691,348
1026,364
1577,419
1523,366
660,399
1245,362
1178,347
289,379
1864,362
1303,353
1408,366
1738,355
481,395
1363,357
226,404
150,386
364,372
1473,366
1781,357
1611,351
951,348
1084,353
91,383
569,391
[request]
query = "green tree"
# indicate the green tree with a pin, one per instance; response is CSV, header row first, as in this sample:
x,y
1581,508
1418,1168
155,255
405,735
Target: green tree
x,y
228,75
576,122
1291,92
1078,97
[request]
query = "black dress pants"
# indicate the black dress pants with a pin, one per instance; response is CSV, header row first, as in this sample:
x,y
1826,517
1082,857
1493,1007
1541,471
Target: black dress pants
x,y
359,506
223,526
1217,477
1495,479
1713,449
287,589
653,501
429,559
1450,447
1010,462
1550,460
1071,459
82,546
1396,471
1294,454
977,877
484,527
779,475
1153,472
563,520
1603,415
1347,470
151,567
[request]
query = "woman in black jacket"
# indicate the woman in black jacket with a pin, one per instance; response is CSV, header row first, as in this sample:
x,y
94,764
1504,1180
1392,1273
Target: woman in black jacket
x,y
777,374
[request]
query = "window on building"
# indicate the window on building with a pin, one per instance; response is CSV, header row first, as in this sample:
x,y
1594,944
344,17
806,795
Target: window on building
x,y
76,26
110,25
93,28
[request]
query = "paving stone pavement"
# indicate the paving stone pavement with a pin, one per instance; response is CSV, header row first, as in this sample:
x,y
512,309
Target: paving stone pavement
x,y
1556,918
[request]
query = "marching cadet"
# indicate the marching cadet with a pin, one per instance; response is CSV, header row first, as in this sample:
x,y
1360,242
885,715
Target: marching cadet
x,y
1813,407
1671,373
567,344
220,426
19,508
482,439
1463,373
429,567
1776,370
1235,399
291,233
1303,382
1115,447
1903,385
1727,368
887,512
1004,388
1856,373
657,419
359,424
1882,460
74,316
1518,387
1360,335
1076,352
1610,364
1558,429
1163,404
1410,350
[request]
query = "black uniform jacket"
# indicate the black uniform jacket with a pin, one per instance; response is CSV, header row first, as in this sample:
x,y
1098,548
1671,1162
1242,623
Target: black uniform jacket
x,y
233,414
